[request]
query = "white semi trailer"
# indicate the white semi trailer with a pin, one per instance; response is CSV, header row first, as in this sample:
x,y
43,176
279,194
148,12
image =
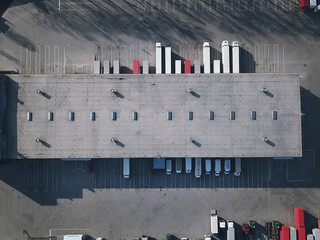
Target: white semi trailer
x,y
235,57
225,56
214,223
231,233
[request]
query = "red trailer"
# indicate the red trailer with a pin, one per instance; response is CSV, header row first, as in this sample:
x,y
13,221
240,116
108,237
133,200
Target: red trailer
x,y
304,4
136,69
319,223
285,233
299,217
301,233
187,66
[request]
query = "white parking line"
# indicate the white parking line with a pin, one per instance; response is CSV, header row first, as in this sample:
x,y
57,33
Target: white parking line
x,y
283,59
21,60
266,58
46,59
56,59
276,58
257,59
37,60
64,61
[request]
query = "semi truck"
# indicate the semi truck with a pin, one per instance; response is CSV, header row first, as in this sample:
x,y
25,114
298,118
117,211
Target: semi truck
x,y
197,170
293,233
285,233
235,57
316,233
225,56
311,4
231,234
75,237
214,222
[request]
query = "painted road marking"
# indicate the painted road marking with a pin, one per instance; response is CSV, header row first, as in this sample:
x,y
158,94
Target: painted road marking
x,y
56,60
46,59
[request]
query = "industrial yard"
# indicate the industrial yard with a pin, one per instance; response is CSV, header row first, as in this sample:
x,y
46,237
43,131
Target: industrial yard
x,y
159,120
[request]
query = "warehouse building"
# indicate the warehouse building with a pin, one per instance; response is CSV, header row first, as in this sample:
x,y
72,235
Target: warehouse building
x,y
138,116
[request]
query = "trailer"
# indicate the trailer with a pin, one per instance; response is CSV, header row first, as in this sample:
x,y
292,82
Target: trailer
x,y
235,57
75,237
168,60
310,237
293,233
158,163
316,233
126,167
214,223
299,217
158,58
231,234
225,56
285,233
301,233
197,168
206,57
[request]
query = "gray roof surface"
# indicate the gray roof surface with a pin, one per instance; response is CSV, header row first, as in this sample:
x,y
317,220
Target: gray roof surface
x,y
152,135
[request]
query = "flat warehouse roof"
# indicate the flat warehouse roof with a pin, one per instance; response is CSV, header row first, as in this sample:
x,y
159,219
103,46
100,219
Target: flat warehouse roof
x,y
152,134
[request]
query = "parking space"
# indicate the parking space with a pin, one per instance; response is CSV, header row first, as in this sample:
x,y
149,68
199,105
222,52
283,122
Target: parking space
x,y
260,58
57,175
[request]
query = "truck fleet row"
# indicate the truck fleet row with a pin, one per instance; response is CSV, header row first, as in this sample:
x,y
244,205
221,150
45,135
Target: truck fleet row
x,y
225,51
285,232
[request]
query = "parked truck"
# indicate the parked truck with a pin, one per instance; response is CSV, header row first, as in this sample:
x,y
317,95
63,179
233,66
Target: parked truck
x,y
225,56
75,237
285,233
231,234
197,168
214,222
235,57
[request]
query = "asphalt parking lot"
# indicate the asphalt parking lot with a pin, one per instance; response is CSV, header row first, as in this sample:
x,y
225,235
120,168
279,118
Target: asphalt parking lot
x,y
54,197
107,174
